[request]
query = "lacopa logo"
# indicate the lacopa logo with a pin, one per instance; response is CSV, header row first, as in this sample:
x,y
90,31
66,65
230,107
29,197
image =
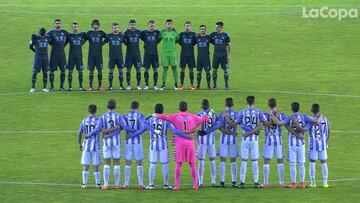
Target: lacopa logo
x,y
326,12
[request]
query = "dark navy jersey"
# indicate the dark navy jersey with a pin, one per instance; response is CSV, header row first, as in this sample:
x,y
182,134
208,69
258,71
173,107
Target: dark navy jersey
x,y
132,42
57,41
151,40
115,42
76,41
95,39
220,42
203,45
187,41
40,43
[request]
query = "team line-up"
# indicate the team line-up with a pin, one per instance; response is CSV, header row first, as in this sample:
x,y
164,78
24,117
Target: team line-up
x,y
58,38
187,127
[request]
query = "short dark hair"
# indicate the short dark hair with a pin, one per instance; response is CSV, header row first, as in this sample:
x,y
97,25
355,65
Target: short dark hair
x,y
151,21
135,105
95,22
229,102
75,23
132,21
272,102
205,104
187,22
92,108
169,21
203,26
42,31
183,106
219,23
250,100
111,104
159,108
115,24
315,108
295,107
57,20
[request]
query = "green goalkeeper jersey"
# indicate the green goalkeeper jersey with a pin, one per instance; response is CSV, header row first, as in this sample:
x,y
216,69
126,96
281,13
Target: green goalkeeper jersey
x,y
169,38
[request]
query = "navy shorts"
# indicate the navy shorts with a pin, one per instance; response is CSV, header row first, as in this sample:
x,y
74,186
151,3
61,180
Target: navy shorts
x,y
119,62
217,60
41,63
75,61
189,60
57,60
203,63
151,60
95,61
131,60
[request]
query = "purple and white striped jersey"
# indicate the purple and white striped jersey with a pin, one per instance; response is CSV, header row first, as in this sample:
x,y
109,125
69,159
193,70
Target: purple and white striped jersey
x,y
318,134
134,120
107,121
92,143
273,132
303,120
226,138
250,118
159,141
207,139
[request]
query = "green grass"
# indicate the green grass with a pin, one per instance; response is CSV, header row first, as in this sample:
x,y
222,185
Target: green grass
x,y
276,53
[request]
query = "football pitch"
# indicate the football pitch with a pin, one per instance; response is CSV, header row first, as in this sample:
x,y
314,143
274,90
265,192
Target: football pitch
x,y
275,53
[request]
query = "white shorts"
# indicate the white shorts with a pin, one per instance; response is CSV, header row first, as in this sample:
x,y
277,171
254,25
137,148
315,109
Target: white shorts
x,y
231,148
269,151
87,156
296,154
134,149
316,155
249,147
204,149
162,154
111,152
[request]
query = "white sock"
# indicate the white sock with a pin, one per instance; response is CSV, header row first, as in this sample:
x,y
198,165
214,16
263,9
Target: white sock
x,y
312,172
140,173
152,170
201,171
302,172
117,174
293,172
281,173
325,172
222,171
127,174
97,177
213,171
165,172
233,171
243,171
266,171
255,169
85,175
106,174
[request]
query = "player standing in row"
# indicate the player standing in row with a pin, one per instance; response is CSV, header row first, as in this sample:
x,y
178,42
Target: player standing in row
x,y
151,38
222,53
76,40
170,37
57,38
115,40
95,59
187,41
203,57
319,134
41,62
133,57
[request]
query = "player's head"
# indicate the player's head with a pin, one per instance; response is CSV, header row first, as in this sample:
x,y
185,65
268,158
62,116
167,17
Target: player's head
x,y
151,25
229,102
95,24
57,23
219,26
169,24
315,108
183,106
132,24
75,27
159,108
205,104
295,107
92,109
202,29
187,25
134,105
250,100
272,103
115,27
42,31
111,104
